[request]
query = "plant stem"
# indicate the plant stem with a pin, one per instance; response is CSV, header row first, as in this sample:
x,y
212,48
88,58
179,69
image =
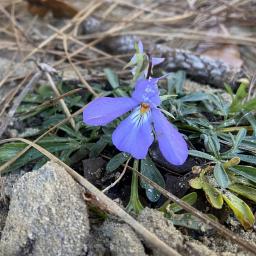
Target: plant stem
x,y
134,202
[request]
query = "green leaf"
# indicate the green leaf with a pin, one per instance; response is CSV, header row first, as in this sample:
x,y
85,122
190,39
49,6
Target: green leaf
x,y
251,119
71,132
149,170
247,158
167,113
196,96
221,175
246,171
196,183
112,78
213,195
244,190
189,199
212,144
116,161
175,82
188,220
241,210
236,104
98,147
239,137
250,105
200,154
52,144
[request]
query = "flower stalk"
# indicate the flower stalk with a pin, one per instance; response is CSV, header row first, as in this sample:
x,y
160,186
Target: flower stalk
x,y
134,204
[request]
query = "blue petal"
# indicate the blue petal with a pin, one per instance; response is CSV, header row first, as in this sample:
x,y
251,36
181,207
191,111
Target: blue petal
x,y
171,143
104,110
146,91
134,57
133,137
156,61
140,46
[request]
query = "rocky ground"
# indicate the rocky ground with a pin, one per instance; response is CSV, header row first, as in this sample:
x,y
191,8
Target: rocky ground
x,y
44,213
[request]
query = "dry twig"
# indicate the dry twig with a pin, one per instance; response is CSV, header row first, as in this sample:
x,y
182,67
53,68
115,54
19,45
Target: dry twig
x,y
119,178
62,102
18,100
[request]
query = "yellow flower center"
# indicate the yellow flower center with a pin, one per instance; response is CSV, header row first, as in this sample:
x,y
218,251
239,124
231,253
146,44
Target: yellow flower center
x,y
144,108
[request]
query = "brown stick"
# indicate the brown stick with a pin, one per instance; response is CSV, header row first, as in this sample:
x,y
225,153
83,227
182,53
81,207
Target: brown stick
x,y
19,99
62,102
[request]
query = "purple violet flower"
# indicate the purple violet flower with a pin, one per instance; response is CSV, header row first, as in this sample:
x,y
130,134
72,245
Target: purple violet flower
x,y
155,60
134,135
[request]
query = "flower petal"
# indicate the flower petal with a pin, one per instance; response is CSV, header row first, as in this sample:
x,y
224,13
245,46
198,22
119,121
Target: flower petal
x,y
156,61
134,137
171,143
140,46
146,91
104,110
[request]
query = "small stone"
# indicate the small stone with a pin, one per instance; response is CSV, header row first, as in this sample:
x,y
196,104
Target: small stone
x,y
156,223
116,239
47,215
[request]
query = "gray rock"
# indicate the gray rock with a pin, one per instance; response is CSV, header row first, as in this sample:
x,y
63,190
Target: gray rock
x,y
7,182
156,223
3,215
115,239
198,249
47,215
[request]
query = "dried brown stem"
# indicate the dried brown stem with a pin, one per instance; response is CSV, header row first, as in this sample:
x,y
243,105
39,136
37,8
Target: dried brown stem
x,y
62,102
18,100
119,178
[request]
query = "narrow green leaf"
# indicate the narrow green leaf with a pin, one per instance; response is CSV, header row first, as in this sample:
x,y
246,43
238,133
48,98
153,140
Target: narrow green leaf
x,y
239,137
196,183
112,78
175,82
99,146
188,220
251,119
246,171
200,154
212,144
52,144
236,104
250,105
196,96
241,210
189,199
116,161
247,158
244,190
213,195
221,175
149,170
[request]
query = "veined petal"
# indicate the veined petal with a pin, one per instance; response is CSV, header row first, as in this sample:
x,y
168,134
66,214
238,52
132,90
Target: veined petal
x,y
171,143
104,110
134,135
